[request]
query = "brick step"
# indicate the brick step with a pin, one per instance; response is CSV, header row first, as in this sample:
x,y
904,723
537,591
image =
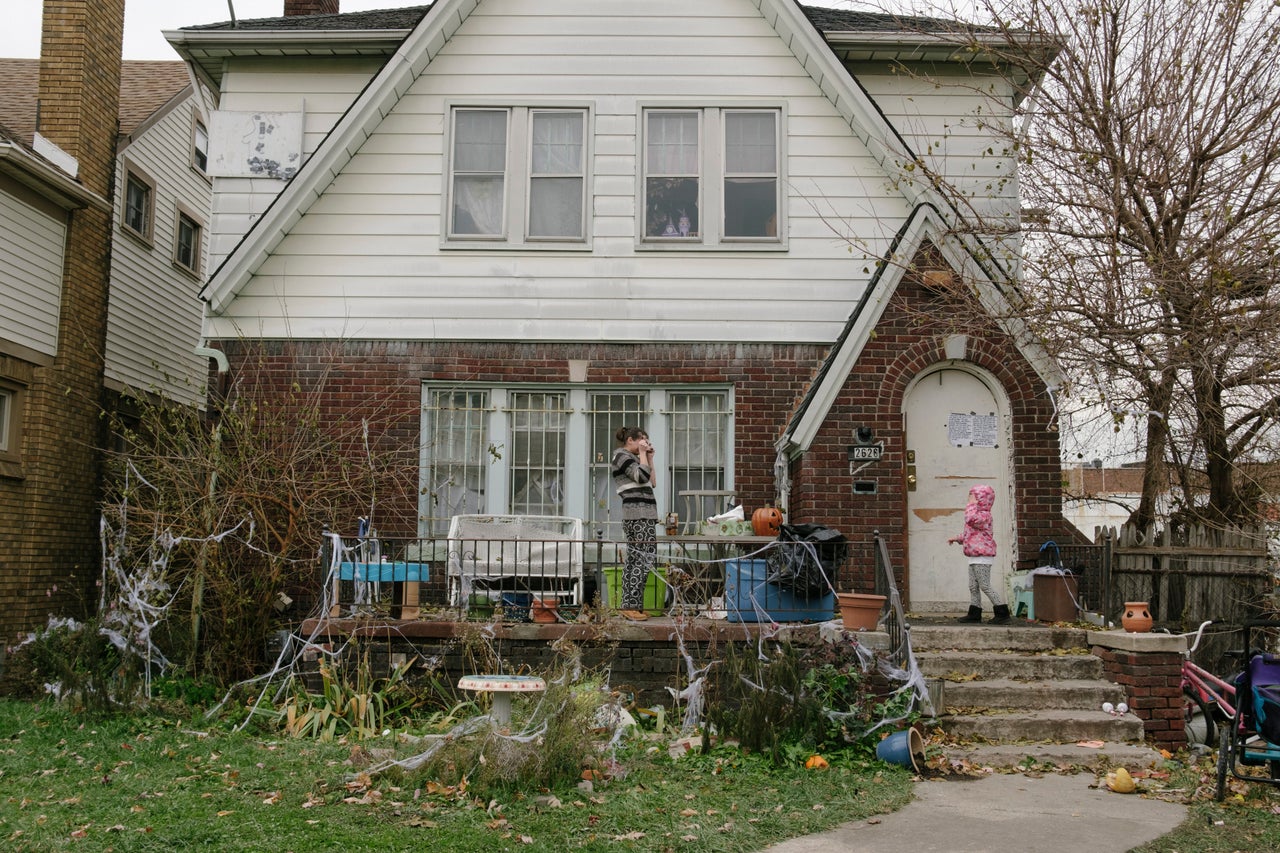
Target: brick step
x,y
1049,725
1028,667
1078,694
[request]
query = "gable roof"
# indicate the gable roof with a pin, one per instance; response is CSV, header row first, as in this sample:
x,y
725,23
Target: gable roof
x,y
797,27
926,224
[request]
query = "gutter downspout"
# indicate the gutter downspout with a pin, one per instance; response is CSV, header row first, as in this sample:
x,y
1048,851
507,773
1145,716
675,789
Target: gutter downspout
x,y
202,560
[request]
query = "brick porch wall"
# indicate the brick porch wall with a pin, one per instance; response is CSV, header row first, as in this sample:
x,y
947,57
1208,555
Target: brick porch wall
x,y
1152,681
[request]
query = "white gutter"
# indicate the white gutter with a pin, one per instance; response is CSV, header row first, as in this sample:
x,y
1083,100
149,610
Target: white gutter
x,y
48,180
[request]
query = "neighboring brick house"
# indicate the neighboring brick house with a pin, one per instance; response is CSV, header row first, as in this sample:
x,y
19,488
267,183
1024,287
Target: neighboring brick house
x,y
100,302
53,326
519,226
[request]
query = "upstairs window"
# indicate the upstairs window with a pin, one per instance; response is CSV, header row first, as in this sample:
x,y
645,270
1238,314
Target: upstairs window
x,y
518,175
200,148
186,249
139,204
711,176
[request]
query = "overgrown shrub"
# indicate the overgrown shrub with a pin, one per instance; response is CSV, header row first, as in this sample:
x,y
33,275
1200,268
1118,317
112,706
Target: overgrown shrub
x,y
78,664
239,498
798,700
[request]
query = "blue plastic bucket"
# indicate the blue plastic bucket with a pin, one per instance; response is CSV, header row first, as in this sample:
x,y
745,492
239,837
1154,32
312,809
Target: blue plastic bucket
x,y
904,748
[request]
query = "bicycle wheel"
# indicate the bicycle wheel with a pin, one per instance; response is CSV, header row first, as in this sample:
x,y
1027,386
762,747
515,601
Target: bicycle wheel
x,y
1197,719
1225,759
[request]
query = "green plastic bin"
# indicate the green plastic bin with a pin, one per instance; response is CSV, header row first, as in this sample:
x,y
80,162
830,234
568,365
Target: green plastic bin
x,y
655,589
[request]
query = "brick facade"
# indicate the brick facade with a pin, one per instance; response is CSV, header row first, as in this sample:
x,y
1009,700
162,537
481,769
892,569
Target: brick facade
x,y
768,380
908,340
49,514
1152,682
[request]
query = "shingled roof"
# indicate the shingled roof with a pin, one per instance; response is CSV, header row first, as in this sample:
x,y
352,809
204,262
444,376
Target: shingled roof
x,y
145,87
378,19
826,20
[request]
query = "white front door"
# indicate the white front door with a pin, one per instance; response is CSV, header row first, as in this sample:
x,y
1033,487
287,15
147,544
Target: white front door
x,y
957,436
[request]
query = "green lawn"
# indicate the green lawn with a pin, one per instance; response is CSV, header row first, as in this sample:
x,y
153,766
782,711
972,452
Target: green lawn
x,y
149,783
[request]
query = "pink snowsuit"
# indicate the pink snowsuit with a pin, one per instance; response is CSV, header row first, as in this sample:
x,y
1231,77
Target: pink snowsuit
x,y
979,543
979,540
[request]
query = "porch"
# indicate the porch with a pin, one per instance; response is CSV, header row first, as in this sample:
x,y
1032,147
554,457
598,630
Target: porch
x,y
434,599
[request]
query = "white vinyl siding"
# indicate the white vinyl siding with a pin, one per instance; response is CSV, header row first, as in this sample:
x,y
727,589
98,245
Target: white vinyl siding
x,y
371,256
32,245
153,321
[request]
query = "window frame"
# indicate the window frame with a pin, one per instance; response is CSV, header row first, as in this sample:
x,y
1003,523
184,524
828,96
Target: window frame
x,y
134,174
12,403
198,127
180,213
712,178
518,177
489,437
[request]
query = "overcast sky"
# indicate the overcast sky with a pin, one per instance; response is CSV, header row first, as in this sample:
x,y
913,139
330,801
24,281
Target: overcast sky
x,y
144,20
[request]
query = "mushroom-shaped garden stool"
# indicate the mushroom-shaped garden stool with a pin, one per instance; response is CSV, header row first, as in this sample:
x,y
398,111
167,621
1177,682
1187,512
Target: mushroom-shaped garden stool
x,y
502,686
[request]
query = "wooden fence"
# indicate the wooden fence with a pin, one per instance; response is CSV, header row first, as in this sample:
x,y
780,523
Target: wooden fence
x,y
1187,576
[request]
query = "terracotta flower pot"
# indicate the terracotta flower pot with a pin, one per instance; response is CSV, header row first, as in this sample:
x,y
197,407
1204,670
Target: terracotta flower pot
x,y
859,611
1136,617
544,609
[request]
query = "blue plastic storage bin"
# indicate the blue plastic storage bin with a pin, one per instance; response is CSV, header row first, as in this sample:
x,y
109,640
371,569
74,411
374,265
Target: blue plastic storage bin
x,y
746,589
382,571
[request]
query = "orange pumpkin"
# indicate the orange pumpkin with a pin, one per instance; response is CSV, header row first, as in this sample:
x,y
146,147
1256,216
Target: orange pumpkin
x,y
766,521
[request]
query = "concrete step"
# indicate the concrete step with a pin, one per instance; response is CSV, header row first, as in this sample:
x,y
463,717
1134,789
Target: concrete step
x,y
1076,693
1028,667
1051,725
1030,755
1017,638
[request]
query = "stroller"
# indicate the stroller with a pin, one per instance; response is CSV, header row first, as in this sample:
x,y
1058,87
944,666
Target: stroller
x,y
1251,738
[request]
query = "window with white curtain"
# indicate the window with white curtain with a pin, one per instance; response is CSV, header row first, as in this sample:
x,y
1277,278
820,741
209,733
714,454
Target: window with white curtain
x,y
711,176
546,451
518,175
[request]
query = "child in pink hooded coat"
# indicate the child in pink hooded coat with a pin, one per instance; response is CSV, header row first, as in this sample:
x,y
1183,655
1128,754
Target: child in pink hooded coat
x,y
979,543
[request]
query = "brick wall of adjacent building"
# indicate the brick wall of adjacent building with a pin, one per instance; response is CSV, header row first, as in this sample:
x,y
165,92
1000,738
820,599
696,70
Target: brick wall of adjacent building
x,y
50,559
1152,682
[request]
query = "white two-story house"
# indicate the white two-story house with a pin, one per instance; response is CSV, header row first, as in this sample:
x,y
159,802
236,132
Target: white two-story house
x,y
512,227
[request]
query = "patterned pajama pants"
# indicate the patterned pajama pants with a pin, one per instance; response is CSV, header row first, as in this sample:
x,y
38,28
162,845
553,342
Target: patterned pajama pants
x,y
980,579
642,550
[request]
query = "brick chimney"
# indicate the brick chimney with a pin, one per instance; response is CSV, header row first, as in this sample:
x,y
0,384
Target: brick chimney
x,y
79,92
310,7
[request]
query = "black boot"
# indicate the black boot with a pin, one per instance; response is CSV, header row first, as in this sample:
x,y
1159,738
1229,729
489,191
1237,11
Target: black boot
x,y
1000,615
974,615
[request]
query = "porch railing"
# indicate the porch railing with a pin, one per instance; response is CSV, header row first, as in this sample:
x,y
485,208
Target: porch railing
x,y
724,576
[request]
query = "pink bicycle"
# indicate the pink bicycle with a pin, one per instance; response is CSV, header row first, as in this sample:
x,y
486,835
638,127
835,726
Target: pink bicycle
x,y
1208,701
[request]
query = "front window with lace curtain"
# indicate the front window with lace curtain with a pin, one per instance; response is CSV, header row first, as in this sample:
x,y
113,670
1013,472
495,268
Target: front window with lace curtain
x,y
547,451
501,155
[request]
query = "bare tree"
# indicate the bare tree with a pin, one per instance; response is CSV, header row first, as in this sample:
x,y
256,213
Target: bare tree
x,y
1149,150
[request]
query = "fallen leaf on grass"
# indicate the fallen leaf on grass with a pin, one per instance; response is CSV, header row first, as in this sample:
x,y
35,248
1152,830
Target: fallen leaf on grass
x,y
630,836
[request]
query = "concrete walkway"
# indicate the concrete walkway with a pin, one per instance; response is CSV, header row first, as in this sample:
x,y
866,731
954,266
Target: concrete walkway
x,y
1053,813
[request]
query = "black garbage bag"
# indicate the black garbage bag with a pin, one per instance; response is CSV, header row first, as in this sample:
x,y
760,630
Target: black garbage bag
x,y
806,559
